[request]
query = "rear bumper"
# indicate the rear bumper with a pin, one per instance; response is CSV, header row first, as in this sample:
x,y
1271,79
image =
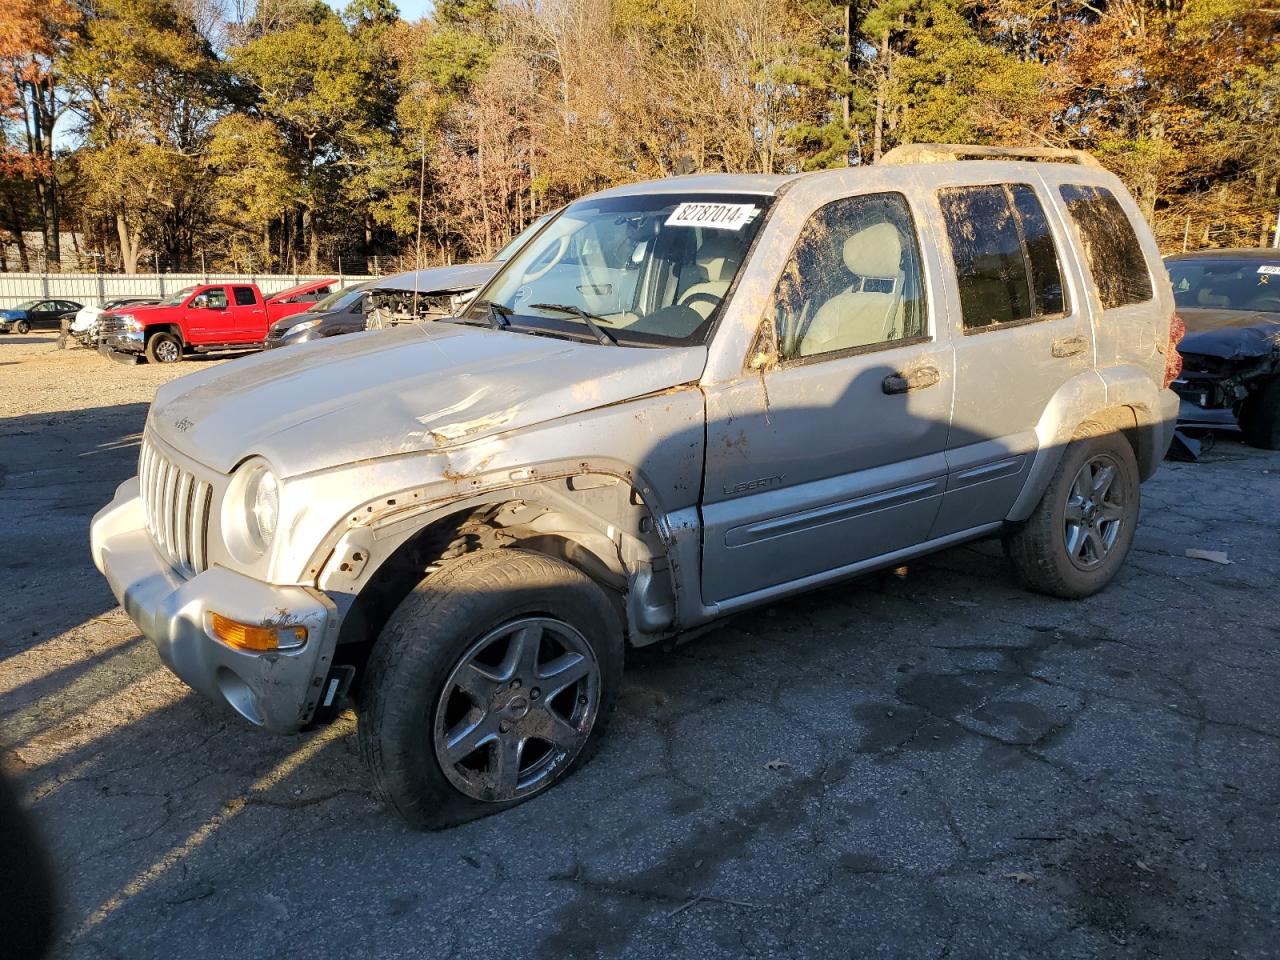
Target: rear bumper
x,y
278,691
1164,428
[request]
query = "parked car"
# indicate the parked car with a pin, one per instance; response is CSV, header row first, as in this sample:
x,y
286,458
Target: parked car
x,y
410,297
1230,301
206,318
681,400
342,311
85,325
35,313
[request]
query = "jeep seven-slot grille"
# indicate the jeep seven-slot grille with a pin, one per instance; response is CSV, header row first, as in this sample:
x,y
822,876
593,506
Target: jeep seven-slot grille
x,y
175,504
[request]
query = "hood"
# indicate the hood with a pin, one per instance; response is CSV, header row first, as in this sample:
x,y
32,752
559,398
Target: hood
x,y
12,314
300,288
464,276
137,308
1202,319
1229,334
403,390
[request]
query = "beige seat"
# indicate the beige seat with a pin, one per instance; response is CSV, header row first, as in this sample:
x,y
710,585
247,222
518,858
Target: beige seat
x,y
869,311
710,274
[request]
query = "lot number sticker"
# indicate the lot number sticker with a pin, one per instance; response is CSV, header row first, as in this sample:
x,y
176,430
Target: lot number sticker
x,y
1270,268
717,216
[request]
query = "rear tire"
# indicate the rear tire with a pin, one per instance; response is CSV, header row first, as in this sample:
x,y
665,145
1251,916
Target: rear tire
x,y
163,348
1077,537
1260,416
470,670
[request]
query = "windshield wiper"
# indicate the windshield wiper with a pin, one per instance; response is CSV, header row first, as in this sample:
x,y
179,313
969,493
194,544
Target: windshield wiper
x,y
591,320
497,314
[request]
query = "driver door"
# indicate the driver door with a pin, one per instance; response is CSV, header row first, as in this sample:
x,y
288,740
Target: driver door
x,y
209,317
836,453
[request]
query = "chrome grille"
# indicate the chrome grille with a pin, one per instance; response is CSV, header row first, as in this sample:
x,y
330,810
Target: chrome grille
x,y
175,504
109,323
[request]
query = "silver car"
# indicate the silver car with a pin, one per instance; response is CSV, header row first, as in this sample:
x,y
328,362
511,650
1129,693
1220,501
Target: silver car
x,y
681,400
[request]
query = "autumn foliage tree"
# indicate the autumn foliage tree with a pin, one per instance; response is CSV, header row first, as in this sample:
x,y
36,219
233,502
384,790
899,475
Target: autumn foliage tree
x,y
288,135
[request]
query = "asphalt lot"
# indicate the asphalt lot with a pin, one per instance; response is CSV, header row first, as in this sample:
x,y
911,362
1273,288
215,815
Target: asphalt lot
x,y
935,765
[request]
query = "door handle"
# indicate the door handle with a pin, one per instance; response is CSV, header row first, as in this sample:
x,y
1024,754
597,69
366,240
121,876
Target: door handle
x,y
1070,346
916,379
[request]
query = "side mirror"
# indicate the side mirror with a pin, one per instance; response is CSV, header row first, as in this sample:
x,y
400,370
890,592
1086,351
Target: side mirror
x,y
764,351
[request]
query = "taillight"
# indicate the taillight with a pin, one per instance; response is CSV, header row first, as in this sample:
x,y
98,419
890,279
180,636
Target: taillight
x,y
1172,358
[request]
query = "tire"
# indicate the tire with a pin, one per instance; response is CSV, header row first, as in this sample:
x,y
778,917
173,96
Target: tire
x,y
1074,558
449,632
22,326
1260,416
163,348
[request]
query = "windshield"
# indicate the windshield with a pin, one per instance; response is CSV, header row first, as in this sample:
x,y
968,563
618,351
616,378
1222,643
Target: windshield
x,y
648,269
178,297
520,239
26,305
338,300
1226,284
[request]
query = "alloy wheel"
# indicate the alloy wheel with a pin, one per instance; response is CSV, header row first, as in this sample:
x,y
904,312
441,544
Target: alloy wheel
x,y
517,709
1094,513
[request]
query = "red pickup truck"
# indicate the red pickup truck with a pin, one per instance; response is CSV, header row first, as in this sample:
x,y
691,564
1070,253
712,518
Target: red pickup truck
x,y
208,318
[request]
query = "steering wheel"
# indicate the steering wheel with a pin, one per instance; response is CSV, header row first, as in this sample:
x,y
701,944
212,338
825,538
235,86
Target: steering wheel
x,y
691,298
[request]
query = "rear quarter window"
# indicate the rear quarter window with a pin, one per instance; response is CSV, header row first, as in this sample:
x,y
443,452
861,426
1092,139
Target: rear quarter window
x,y
1110,246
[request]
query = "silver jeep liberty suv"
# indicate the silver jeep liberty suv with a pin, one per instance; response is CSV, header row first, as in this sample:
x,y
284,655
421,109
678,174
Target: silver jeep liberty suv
x,y
679,400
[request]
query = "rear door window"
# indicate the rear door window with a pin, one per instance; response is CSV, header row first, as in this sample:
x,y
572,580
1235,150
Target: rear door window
x,y
245,296
1115,257
1005,257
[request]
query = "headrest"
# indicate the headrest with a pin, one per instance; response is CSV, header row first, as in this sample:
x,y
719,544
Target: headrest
x,y
874,251
718,256
1206,298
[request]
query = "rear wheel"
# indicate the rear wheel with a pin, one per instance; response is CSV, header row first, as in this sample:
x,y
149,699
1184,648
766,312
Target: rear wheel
x,y
492,681
163,348
1260,416
1077,537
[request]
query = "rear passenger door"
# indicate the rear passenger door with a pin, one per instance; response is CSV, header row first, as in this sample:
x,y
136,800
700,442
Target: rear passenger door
x,y
1023,333
836,454
249,315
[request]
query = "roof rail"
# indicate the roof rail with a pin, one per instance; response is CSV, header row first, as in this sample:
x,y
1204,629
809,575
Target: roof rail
x,y
945,152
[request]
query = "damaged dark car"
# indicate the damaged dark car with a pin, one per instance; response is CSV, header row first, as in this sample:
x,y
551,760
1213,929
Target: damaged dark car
x,y
1230,302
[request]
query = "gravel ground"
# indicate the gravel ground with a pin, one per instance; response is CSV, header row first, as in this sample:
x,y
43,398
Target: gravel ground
x,y
935,765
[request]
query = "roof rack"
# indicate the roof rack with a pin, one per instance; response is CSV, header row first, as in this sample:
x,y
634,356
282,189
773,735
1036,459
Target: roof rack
x,y
946,152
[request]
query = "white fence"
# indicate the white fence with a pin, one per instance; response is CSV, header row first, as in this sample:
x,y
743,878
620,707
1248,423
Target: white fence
x,y
93,288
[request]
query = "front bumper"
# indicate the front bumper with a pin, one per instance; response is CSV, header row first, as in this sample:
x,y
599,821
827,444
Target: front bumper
x,y
279,691
123,341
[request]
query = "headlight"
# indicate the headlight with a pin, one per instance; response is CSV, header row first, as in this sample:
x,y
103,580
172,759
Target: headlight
x,y
302,327
131,322
250,511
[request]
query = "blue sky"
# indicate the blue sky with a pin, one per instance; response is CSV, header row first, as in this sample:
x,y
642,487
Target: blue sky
x,y
409,9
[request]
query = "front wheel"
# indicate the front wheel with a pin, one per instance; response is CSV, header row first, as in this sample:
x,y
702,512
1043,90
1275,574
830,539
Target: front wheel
x,y
22,326
1077,537
163,348
492,681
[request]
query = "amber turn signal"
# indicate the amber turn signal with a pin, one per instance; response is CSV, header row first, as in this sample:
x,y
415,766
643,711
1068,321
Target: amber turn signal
x,y
256,639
